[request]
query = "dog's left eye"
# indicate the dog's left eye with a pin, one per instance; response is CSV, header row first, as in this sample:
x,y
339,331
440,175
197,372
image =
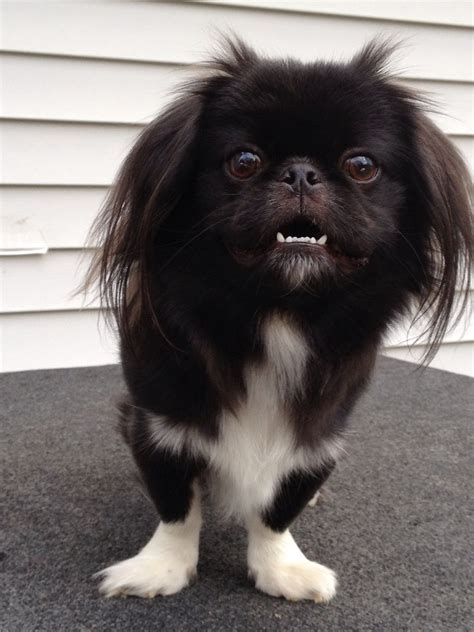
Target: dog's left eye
x,y
361,168
244,164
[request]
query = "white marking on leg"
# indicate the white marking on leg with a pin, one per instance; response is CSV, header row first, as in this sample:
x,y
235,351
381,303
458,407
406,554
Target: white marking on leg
x,y
280,569
164,566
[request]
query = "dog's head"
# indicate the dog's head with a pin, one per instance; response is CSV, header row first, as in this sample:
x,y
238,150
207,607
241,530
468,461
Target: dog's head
x,y
299,177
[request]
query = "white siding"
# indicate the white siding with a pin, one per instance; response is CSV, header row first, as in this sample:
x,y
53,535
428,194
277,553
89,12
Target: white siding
x,y
54,340
456,357
79,80
64,214
50,282
447,12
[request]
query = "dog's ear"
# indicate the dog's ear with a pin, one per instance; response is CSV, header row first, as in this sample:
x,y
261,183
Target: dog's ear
x,y
148,188
445,195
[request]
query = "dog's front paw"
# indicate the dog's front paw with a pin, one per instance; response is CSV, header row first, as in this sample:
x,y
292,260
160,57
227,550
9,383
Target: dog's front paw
x,y
146,576
280,568
301,580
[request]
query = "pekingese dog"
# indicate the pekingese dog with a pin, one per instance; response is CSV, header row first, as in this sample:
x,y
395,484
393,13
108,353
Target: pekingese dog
x,y
262,235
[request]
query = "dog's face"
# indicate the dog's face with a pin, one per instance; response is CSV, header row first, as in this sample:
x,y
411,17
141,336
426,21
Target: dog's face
x,y
302,170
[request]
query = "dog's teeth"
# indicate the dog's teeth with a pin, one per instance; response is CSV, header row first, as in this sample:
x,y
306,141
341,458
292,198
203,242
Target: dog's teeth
x,y
302,240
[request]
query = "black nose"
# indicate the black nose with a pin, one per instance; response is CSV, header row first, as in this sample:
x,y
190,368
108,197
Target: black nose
x,y
301,177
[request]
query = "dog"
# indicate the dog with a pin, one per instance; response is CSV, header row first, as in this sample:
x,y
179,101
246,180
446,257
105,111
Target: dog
x,y
262,235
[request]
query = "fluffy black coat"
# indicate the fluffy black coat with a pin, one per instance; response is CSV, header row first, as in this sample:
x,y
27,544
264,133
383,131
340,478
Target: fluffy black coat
x,y
191,268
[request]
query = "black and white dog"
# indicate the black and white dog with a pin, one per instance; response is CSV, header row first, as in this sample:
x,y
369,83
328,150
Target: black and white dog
x,y
262,235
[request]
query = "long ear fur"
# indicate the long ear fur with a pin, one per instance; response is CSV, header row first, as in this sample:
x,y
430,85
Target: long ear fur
x,y
446,195
148,188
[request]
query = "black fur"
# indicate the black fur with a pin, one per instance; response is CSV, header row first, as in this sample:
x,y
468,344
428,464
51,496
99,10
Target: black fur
x,y
168,478
186,263
295,492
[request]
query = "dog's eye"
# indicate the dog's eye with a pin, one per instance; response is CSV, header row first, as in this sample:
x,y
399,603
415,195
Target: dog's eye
x,y
361,168
244,164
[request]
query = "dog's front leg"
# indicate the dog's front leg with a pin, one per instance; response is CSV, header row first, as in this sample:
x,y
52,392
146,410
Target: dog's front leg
x,y
168,562
275,561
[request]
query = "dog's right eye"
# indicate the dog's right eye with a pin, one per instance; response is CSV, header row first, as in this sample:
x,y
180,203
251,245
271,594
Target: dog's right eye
x,y
244,164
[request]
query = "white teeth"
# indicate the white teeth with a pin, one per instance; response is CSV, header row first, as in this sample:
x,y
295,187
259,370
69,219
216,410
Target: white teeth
x,y
302,240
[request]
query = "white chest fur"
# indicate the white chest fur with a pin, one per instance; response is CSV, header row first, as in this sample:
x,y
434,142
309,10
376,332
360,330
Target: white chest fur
x,y
257,444
256,448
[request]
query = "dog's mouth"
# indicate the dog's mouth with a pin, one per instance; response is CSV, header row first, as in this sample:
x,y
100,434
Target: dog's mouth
x,y
301,231
305,238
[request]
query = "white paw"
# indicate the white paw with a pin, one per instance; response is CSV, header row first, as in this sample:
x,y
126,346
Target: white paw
x,y
146,576
300,580
164,566
280,569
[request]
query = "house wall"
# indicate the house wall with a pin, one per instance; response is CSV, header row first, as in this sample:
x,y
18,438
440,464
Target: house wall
x,y
79,81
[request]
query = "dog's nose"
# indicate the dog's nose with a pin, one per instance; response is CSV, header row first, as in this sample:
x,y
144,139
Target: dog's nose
x,y
301,177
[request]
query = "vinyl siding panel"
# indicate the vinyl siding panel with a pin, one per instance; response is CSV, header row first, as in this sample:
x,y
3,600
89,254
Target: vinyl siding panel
x,y
79,82
63,153
452,13
63,214
124,92
54,340
51,280
456,357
